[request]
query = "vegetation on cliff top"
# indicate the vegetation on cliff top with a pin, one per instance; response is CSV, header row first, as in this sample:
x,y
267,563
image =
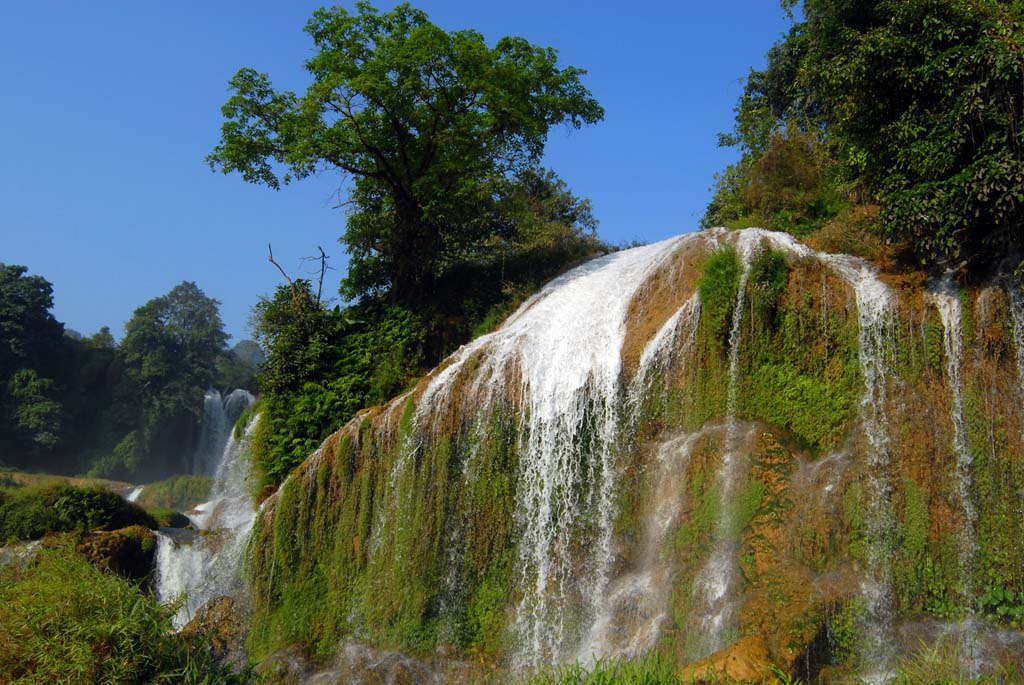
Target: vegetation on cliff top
x,y
913,106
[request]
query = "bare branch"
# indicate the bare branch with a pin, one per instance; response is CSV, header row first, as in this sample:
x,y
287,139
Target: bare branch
x,y
296,298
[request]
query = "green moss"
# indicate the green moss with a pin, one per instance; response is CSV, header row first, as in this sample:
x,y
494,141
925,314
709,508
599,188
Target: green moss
x,y
845,630
718,284
935,349
913,535
800,366
747,505
966,316
364,543
815,410
854,519
696,535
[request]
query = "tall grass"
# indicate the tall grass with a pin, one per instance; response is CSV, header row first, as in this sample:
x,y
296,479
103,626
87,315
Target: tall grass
x,y
65,621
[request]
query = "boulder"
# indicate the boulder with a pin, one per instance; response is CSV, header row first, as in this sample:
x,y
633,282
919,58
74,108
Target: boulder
x,y
744,661
221,622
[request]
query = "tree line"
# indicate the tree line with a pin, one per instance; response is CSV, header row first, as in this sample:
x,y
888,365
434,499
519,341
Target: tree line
x,y
132,410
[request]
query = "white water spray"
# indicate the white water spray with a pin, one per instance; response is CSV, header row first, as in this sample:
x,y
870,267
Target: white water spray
x,y
563,350
945,297
207,566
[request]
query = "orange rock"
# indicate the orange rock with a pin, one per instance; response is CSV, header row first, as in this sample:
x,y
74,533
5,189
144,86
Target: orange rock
x,y
745,661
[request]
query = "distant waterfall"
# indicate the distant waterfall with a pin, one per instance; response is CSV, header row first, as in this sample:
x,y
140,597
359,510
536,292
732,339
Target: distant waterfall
x,y
219,417
203,567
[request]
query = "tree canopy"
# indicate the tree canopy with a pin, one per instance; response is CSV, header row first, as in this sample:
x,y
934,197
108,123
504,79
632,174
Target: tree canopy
x,y
919,105
433,127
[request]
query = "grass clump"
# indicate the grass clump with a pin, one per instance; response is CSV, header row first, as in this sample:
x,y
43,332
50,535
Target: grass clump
x,y
65,621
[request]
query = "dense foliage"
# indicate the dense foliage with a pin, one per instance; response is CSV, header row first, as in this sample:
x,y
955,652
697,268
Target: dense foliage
x,y
66,621
915,106
171,348
74,404
451,222
30,513
432,125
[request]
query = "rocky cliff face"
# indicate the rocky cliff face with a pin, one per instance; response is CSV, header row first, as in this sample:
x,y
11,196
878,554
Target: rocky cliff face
x,y
725,435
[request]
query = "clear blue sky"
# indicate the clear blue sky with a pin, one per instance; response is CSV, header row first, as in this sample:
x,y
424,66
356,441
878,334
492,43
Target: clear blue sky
x,y
109,108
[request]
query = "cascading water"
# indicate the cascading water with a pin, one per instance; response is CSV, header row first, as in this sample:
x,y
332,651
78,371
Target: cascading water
x,y
566,342
633,611
711,625
207,566
874,313
945,297
219,417
566,394
212,435
1017,312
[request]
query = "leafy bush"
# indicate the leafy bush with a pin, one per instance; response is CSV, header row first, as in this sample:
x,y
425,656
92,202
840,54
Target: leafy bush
x,y
65,621
30,514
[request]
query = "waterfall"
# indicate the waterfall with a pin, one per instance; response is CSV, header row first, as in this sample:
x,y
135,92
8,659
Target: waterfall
x,y
212,435
219,417
582,394
1017,313
711,624
205,566
133,495
633,611
874,313
563,350
945,297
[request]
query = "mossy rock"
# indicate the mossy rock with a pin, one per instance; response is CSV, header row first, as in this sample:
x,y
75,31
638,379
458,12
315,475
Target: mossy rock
x,y
169,518
128,552
221,623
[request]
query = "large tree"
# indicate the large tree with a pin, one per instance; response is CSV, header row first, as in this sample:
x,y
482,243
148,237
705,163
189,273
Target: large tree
x,y
32,349
431,125
171,347
29,335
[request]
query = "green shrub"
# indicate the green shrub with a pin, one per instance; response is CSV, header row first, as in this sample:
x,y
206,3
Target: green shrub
x,y
65,621
717,287
30,514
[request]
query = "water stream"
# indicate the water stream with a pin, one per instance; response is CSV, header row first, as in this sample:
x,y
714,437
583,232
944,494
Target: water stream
x,y
200,566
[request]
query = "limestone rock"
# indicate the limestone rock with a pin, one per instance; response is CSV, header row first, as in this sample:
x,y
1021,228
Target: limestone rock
x,y
745,661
